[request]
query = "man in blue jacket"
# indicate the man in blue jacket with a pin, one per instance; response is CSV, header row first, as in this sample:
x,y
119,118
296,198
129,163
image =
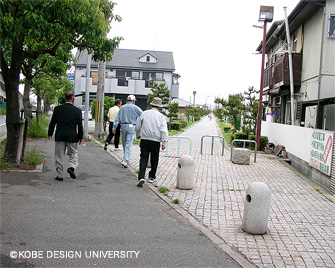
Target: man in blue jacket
x,y
127,116
69,132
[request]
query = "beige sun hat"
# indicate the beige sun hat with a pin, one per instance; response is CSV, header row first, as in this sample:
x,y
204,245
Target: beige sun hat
x,y
157,102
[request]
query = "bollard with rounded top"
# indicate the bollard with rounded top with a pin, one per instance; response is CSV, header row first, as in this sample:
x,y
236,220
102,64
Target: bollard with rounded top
x,y
185,173
256,208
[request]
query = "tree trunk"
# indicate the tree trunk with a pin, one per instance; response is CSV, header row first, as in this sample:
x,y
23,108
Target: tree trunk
x,y
27,105
13,121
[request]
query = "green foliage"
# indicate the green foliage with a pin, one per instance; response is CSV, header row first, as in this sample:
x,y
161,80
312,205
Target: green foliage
x,y
251,111
175,126
175,201
183,124
237,121
108,103
3,108
38,129
160,91
164,190
33,156
195,112
173,110
227,136
240,136
226,129
232,107
264,140
32,28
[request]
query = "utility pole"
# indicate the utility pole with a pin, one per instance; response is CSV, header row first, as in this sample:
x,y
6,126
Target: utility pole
x,y
290,64
99,109
87,95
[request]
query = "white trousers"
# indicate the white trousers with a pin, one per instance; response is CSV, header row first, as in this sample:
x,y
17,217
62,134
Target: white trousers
x,y
60,149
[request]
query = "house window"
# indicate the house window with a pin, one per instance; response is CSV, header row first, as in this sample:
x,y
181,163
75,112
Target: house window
x,y
94,76
150,78
331,30
148,58
123,77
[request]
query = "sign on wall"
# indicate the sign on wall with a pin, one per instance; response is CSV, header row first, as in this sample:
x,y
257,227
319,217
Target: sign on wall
x,y
322,150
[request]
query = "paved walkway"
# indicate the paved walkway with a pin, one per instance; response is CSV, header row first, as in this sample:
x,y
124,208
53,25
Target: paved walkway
x,y
301,227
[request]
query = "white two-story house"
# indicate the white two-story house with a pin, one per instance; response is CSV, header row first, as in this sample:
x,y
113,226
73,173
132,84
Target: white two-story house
x,y
129,72
308,139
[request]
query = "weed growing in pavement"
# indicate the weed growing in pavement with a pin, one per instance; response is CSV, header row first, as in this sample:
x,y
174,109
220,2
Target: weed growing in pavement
x,y
318,190
33,156
175,201
38,129
164,190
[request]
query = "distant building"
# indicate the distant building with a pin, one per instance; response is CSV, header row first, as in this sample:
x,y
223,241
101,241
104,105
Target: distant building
x,y
130,72
182,105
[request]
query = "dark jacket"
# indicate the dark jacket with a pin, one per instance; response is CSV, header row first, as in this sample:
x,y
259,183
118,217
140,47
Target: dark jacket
x,y
68,119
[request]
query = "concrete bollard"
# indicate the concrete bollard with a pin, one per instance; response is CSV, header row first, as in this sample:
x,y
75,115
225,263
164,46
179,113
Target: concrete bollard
x,y
185,173
256,208
240,156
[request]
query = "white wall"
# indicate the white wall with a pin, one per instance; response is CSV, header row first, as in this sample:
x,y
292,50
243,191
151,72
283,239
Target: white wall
x,y
297,140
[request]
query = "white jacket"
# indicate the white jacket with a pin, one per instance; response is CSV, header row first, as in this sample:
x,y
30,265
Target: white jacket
x,y
151,125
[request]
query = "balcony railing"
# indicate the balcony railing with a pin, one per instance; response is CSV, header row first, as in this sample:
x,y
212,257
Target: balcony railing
x,y
277,75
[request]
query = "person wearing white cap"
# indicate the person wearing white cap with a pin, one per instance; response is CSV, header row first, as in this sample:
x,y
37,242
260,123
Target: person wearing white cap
x,y
151,127
127,116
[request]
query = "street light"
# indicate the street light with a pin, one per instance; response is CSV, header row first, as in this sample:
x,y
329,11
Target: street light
x,y
265,15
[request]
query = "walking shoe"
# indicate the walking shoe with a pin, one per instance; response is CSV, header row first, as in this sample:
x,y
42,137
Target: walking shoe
x,y
140,183
58,179
70,170
105,148
117,149
124,164
151,180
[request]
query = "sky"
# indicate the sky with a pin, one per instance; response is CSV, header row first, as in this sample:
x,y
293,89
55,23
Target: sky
x,y
213,42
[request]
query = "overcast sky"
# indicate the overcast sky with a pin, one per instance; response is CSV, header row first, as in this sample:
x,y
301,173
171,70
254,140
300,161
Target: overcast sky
x,y
213,42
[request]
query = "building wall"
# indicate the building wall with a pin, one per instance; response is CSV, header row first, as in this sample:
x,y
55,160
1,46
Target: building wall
x,y
297,142
135,86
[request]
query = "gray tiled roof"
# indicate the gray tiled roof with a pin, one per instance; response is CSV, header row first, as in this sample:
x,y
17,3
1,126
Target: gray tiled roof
x,y
129,59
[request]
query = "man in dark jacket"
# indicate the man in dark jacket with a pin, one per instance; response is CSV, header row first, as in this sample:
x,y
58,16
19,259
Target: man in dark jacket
x,y
69,132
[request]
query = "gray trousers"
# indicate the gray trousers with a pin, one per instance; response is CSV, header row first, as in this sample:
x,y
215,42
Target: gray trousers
x,y
60,149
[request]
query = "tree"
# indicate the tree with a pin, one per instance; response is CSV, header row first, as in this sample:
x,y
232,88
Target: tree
x,y
233,107
160,91
32,28
173,110
251,111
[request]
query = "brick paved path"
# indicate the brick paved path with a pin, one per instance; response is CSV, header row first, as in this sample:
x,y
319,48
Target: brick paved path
x,y
301,227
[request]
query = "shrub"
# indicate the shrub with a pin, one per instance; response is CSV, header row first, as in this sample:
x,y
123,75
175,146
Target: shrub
x,y
264,140
175,126
226,129
197,118
183,123
38,130
240,136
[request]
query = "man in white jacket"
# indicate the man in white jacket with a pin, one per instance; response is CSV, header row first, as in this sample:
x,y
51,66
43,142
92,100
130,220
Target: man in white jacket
x,y
151,128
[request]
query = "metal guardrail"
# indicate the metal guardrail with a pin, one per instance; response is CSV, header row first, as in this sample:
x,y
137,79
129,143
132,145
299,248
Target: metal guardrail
x,y
212,136
179,138
244,141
